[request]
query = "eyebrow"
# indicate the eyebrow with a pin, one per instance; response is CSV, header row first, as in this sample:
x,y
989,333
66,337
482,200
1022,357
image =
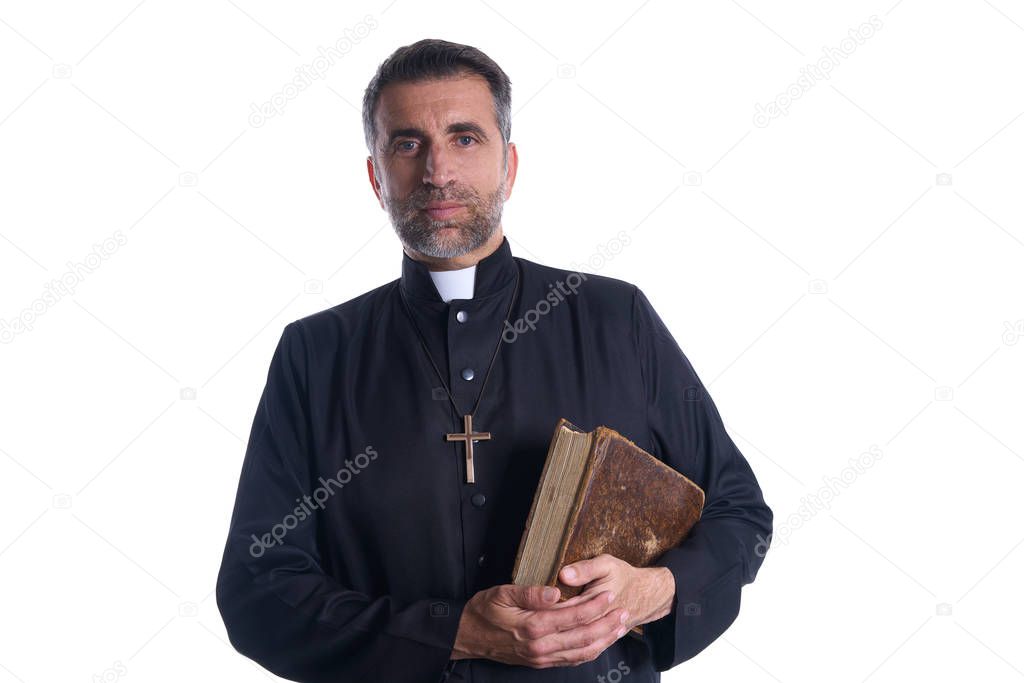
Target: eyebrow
x,y
457,127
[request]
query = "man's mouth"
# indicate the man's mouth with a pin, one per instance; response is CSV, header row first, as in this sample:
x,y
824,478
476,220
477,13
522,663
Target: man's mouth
x,y
440,211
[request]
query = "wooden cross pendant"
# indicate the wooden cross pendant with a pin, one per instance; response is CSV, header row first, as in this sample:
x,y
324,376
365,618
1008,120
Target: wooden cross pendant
x,y
469,436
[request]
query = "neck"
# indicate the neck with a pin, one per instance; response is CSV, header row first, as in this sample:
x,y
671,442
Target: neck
x,y
458,262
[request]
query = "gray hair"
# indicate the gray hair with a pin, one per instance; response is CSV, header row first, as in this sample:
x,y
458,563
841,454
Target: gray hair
x,y
431,59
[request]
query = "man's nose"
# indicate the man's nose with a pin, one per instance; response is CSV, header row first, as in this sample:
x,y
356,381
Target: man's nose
x,y
441,166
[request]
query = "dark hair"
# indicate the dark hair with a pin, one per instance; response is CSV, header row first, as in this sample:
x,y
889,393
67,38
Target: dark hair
x,y
431,59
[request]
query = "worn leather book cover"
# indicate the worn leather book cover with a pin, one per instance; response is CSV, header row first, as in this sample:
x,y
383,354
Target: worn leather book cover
x,y
627,503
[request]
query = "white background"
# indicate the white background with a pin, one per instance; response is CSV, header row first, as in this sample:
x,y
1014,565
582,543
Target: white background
x,y
847,276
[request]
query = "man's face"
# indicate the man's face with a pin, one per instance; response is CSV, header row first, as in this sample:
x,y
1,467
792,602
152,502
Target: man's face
x,y
438,143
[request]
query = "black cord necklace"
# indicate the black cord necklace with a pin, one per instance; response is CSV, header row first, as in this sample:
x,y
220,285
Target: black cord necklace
x,y
467,435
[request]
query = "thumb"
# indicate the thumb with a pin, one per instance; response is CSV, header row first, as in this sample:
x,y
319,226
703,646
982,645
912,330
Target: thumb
x,y
536,597
581,572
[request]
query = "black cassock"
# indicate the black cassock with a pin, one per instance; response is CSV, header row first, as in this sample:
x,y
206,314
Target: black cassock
x,y
355,542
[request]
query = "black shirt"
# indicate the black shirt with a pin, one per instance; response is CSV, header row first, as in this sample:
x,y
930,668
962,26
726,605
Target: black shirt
x,y
355,542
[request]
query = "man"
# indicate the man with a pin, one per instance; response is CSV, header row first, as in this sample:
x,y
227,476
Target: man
x,y
366,544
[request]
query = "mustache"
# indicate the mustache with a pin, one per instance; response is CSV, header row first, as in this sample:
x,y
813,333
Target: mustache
x,y
421,202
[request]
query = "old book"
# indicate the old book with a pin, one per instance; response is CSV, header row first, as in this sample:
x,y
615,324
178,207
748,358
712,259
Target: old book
x,y
601,493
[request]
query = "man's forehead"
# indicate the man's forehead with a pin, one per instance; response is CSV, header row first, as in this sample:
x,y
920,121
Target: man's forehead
x,y
435,103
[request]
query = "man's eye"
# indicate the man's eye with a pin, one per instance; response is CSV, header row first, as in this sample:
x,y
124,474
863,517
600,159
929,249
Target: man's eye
x,y
467,137
400,146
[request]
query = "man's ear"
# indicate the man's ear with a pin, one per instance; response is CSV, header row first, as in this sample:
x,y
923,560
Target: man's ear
x,y
374,181
512,165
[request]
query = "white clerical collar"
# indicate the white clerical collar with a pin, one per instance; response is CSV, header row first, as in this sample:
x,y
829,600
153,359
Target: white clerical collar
x,y
454,284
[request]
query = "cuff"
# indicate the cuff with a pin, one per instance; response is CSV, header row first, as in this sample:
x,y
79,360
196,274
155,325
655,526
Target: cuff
x,y
705,605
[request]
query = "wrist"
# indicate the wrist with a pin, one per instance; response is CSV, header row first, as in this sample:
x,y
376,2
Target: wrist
x,y
460,649
664,591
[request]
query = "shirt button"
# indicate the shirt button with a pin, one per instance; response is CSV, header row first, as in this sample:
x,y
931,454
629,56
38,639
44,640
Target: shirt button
x,y
479,499
482,560
467,374
461,316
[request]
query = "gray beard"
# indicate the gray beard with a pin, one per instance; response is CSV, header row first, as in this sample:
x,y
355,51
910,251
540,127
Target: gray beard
x,y
418,231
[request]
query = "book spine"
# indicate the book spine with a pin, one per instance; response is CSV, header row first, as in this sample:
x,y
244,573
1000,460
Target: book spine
x,y
598,445
533,505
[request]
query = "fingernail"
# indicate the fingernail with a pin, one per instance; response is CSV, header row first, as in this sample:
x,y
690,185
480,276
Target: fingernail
x,y
550,593
570,573
611,597
622,632
623,617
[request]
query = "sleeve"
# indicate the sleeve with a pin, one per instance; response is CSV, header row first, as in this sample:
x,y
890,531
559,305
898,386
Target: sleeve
x,y
279,607
726,547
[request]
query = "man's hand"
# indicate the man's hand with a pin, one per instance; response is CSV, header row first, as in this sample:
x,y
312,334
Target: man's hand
x,y
526,626
646,593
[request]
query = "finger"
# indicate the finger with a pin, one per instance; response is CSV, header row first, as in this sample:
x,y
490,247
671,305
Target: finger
x,y
534,597
553,621
582,644
585,571
577,599
591,593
